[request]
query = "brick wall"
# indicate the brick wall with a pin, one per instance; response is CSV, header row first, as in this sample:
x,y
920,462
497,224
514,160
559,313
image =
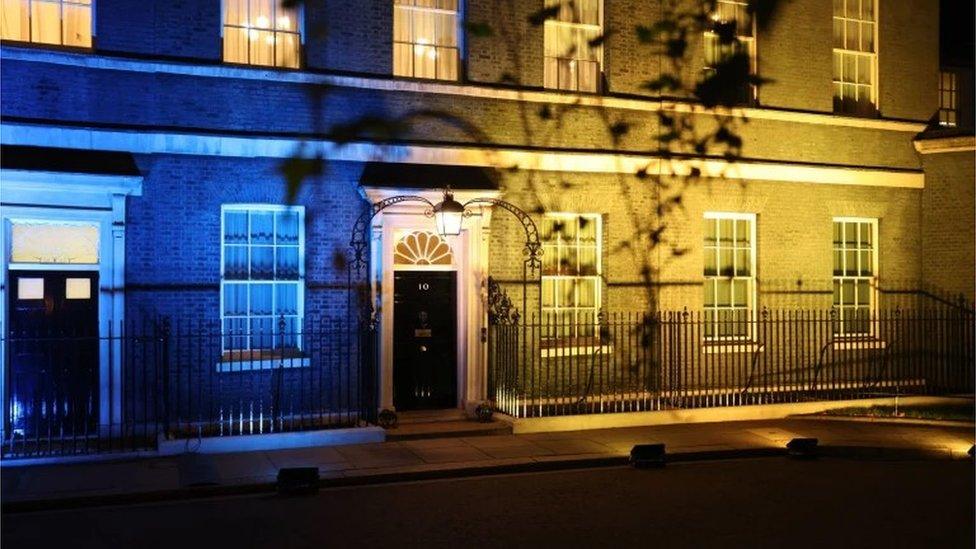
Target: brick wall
x,y
187,29
350,38
948,224
173,232
794,236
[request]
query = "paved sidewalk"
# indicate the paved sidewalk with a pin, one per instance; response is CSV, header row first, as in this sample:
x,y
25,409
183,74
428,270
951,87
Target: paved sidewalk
x,y
194,474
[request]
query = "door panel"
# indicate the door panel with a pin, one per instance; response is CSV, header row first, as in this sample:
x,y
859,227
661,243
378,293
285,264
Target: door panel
x,y
424,340
53,352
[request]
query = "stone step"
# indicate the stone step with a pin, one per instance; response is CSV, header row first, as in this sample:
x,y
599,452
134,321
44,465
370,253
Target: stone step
x,y
431,416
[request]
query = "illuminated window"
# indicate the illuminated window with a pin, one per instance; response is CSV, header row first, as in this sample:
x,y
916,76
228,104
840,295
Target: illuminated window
x,y
730,274
571,267
573,51
425,39
948,95
855,56
855,274
733,11
261,32
59,22
50,242
261,276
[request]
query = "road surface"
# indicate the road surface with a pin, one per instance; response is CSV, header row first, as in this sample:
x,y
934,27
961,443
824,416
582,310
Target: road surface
x,y
766,502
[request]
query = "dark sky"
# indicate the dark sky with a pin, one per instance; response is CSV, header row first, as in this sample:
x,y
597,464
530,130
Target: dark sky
x,y
957,22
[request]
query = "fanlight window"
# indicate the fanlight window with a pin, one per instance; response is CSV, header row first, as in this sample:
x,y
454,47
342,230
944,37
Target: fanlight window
x,y
422,248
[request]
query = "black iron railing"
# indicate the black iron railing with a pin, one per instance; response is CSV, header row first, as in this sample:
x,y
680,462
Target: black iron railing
x,y
673,360
134,384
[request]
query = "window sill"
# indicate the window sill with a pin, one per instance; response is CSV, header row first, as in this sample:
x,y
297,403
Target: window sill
x,y
725,347
226,366
854,344
575,350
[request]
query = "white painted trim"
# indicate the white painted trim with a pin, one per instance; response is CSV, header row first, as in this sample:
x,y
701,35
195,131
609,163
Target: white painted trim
x,y
702,415
717,347
855,344
146,142
577,350
269,364
272,441
470,264
300,297
964,143
73,197
648,105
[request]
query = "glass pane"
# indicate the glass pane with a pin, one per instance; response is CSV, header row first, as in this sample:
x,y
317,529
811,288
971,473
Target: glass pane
x,y
286,226
262,228
850,69
30,288
847,292
850,234
867,266
710,323
262,262
41,242
567,293
235,45
286,50
262,47
286,299
740,293
837,292
235,227
711,232
742,233
548,292
286,19
235,12
587,261
867,235
261,296
235,262
447,63
852,42
743,265
261,13
725,261
402,59
263,333
286,263
15,22
867,10
709,293
725,231
863,292
235,299
838,262
77,26
235,327
711,265
723,293
867,37
586,292
46,22
850,265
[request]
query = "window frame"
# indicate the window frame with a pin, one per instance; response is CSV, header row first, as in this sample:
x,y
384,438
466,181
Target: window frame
x,y
597,279
872,280
875,84
952,91
299,23
459,48
247,355
750,41
92,5
750,336
601,61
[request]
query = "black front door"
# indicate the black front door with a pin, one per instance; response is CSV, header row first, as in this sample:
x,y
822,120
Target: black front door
x,y
53,345
424,340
